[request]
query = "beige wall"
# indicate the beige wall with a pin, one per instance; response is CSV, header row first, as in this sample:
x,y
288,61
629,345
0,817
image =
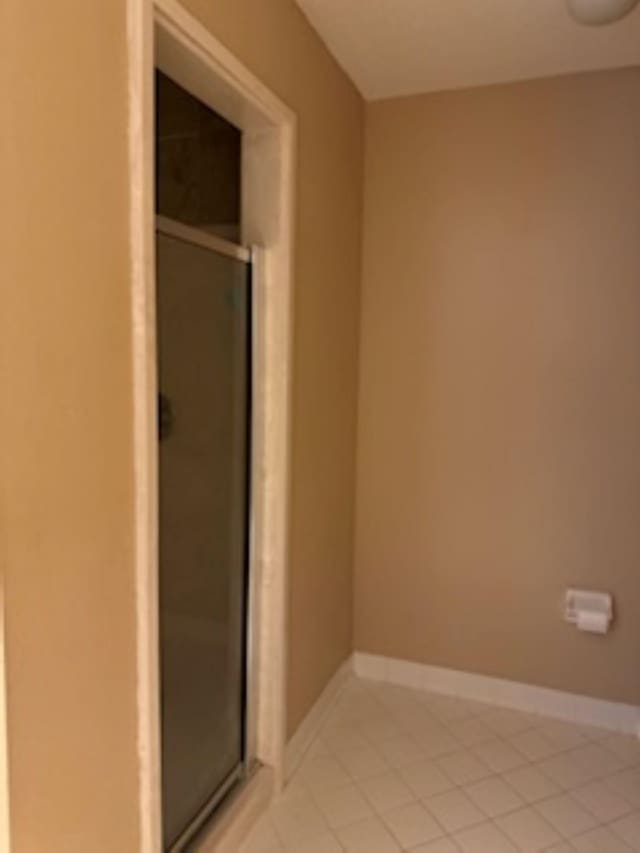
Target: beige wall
x,y
66,371
499,439
66,428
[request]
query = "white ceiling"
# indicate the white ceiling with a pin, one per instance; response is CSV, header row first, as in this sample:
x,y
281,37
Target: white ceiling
x,y
402,47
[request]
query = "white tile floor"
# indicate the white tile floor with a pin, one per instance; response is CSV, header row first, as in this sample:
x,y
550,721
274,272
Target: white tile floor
x,y
396,769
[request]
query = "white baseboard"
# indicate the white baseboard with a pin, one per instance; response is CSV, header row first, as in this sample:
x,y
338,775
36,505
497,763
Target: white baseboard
x,y
310,726
583,710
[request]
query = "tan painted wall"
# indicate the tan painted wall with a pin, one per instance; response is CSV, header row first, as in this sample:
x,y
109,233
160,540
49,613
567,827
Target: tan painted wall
x,y
499,442
66,422
66,429
275,41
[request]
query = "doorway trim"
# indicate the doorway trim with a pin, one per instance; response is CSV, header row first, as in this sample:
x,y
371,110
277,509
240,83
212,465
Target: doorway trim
x,y
162,33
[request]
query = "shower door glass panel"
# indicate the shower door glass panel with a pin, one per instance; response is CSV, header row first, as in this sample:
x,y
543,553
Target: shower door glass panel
x,y
203,305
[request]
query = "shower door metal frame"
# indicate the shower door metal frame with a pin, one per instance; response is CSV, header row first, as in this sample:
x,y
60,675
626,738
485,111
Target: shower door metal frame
x,y
191,234
248,763
207,811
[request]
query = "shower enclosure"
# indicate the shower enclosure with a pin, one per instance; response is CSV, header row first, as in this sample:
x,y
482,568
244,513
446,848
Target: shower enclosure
x,y
204,371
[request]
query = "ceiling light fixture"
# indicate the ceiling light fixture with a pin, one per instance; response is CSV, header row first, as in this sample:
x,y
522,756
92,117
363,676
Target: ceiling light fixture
x,y
598,12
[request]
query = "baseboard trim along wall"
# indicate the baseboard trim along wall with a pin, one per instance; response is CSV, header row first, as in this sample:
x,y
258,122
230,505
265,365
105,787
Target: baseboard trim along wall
x,y
583,710
310,726
508,694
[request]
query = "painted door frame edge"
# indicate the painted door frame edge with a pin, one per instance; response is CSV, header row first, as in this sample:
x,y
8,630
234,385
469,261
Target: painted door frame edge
x,y
5,835
211,72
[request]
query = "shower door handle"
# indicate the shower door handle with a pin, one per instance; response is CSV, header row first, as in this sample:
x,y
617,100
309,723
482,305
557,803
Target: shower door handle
x,y
165,416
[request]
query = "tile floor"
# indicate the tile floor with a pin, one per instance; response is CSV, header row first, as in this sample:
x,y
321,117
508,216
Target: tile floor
x,y
397,769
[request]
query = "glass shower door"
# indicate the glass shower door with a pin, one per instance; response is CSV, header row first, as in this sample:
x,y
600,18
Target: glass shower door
x,y
203,307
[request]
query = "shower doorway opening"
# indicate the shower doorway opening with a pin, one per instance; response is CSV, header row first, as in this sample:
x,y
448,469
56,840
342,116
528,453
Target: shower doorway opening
x,y
252,306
